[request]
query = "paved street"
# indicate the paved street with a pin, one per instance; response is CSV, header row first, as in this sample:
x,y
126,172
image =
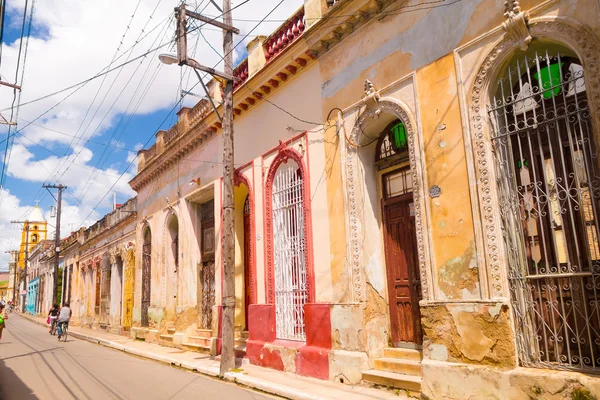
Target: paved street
x,y
34,365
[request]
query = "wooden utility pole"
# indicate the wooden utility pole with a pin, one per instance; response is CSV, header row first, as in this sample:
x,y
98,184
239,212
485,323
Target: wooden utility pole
x,y
26,224
228,246
56,239
228,350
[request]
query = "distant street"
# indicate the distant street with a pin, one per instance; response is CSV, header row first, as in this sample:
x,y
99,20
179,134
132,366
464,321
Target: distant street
x,y
34,365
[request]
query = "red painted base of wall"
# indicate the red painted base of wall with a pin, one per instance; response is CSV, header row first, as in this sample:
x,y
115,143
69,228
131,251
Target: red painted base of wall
x,y
312,357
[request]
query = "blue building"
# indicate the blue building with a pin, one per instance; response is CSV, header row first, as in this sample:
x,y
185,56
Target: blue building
x,y
33,288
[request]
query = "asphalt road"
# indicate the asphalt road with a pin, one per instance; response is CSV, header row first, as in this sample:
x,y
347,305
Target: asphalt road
x,y
34,365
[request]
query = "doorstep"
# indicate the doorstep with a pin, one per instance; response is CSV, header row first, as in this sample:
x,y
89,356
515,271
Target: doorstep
x,y
279,383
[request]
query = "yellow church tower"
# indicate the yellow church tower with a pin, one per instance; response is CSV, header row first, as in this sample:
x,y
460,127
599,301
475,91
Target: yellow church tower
x,y
38,230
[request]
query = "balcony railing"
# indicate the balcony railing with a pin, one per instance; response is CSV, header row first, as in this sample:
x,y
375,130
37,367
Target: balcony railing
x,y
286,34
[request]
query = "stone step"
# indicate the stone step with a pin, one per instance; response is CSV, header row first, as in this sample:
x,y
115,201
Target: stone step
x,y
171,331
166,338
405,354
201,340
196,347
244,334
204,332
240,342
408,367
398,381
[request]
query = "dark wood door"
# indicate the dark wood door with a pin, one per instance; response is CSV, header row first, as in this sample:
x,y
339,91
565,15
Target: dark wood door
x,y
404,285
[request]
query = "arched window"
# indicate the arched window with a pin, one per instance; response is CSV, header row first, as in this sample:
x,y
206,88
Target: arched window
x,y
173,228
549,191
34,238
392,146
290,275
35,227
146,274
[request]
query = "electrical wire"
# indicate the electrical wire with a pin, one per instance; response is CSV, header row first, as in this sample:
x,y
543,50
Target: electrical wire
x,y
178,102
17,97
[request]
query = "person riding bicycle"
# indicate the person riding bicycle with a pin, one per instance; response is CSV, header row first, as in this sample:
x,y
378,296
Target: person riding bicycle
x,y
53,315
64,315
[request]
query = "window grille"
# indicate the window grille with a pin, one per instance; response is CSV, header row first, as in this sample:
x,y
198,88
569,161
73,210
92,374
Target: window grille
x,y
549,191
289,252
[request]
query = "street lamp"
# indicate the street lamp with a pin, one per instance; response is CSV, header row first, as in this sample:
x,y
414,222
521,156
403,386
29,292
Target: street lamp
x,y
168,59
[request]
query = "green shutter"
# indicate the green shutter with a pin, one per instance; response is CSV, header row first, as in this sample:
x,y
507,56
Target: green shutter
x,y
397,136
543,78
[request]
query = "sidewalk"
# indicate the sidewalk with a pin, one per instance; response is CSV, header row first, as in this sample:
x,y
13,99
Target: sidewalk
x,y
267,380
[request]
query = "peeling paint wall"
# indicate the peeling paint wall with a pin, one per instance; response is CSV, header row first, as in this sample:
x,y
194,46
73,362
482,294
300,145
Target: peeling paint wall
x,y
470,333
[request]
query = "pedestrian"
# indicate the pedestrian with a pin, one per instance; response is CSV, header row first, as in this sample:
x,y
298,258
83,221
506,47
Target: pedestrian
x,y
3,317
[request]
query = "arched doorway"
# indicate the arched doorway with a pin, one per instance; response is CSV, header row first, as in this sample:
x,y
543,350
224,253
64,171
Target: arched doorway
x,y
290,272
399,234
172,264
549,205
146,275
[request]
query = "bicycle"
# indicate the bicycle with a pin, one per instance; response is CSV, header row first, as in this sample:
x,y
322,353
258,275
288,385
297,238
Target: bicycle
x,y
64,331
53,326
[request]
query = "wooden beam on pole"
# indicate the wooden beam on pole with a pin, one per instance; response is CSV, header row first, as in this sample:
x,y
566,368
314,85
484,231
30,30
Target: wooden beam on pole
x,y
212,21
11,85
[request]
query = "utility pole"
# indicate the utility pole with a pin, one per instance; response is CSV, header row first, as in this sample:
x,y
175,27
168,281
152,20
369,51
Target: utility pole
x,y
228,246
228,350
25,260
56,239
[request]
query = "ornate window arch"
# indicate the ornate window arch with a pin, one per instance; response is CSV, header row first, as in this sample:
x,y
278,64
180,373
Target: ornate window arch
x,y
240,179
146,280
290,274
395,107
535,158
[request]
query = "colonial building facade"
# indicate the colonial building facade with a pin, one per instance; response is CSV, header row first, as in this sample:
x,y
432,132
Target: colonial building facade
x,y
416,204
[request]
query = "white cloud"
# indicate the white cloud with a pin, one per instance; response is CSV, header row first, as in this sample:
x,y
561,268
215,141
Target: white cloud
x,y
75,40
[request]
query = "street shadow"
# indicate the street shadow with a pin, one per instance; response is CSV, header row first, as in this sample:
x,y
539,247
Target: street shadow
x,y
11,387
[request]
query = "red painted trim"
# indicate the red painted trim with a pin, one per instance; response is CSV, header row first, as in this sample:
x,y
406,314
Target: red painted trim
x,y
286,143
239,179
286,153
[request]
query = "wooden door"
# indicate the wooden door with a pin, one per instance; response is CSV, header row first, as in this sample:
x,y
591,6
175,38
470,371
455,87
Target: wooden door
x,y
404,285
247,260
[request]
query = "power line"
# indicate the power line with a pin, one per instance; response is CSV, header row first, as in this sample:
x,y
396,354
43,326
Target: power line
x,y
18,98
100,74
178,102
140,38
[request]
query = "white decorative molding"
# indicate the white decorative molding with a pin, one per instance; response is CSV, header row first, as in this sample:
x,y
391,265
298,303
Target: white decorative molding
x,y
390,106
371,98
516,24
559,30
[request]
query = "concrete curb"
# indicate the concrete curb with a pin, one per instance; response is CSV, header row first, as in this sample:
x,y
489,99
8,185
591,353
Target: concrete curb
x,y
236,378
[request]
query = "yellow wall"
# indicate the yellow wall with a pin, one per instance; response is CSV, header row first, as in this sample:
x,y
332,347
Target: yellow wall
x,y
451,228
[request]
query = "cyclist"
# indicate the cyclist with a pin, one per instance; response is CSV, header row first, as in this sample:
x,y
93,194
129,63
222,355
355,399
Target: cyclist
x,y
53,315
64,315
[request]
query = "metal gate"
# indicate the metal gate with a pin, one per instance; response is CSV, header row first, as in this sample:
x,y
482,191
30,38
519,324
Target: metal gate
x,y
289,252
208,293
549,192
207,274
105,290
146,275
97,294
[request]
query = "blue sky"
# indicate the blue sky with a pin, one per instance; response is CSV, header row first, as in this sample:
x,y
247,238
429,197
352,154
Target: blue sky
x,y
86,137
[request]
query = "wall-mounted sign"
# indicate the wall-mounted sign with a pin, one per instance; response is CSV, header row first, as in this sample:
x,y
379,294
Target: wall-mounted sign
x,y
435,191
